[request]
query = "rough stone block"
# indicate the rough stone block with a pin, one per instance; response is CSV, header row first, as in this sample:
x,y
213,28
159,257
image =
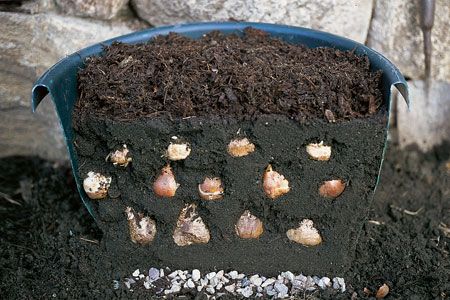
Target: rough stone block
x,y
346,18
29,44
395,32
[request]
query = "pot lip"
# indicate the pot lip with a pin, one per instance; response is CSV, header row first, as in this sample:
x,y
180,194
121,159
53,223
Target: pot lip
x,y
60,81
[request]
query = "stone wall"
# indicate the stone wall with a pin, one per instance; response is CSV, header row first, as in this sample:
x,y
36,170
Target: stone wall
x,y
36,34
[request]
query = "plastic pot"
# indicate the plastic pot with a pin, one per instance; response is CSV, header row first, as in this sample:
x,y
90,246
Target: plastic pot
x,y
339,221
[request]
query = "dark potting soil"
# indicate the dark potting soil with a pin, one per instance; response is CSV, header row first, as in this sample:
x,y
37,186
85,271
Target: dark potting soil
x,y
227,76
356,154
257,86
50,246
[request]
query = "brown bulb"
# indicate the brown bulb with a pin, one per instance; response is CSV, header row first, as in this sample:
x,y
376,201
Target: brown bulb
x,y
382,291
165,185
178,151
319,151
190,228
240,147
248,226
142,229
274,184
211,189
120,157
96,185
305,234
332,188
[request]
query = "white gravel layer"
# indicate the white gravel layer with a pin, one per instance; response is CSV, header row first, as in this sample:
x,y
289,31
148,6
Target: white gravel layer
x,y
215,284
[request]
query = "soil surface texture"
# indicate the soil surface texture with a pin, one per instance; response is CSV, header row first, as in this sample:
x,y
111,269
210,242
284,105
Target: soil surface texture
x,y
228,76
51,248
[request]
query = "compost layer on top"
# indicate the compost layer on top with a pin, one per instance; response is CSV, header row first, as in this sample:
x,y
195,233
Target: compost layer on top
x,y
227,76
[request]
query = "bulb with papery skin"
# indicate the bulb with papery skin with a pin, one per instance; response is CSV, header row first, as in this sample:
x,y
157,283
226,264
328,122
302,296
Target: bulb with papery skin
x,y
178,151
240,147
305,234
319,151
165,184
382,291
142,229
190,228
211,189
332,188
274,184
248,226
96,185
120,157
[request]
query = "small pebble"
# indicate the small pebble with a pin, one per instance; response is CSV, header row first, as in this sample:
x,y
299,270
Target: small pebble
x,y
127,284
268,281
214,281
219,286
210,275
210,290
288,275
195,275
173,275
341,282
256,280
271,292
245,282
247,292
310,284
233,274
153,274
230,288
176,288
282,289
336,285
203,281
175,280
240,276
136,273
116,284
324,282
220,274
161,273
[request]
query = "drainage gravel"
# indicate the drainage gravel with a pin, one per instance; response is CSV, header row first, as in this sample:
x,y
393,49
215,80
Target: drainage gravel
x,y
164,282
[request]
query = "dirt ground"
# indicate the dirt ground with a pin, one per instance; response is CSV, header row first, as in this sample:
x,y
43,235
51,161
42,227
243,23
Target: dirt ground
x,y
50,247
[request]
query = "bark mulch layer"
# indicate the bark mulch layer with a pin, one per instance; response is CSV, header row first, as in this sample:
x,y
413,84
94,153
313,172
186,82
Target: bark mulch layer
x,y
227,76
50,247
